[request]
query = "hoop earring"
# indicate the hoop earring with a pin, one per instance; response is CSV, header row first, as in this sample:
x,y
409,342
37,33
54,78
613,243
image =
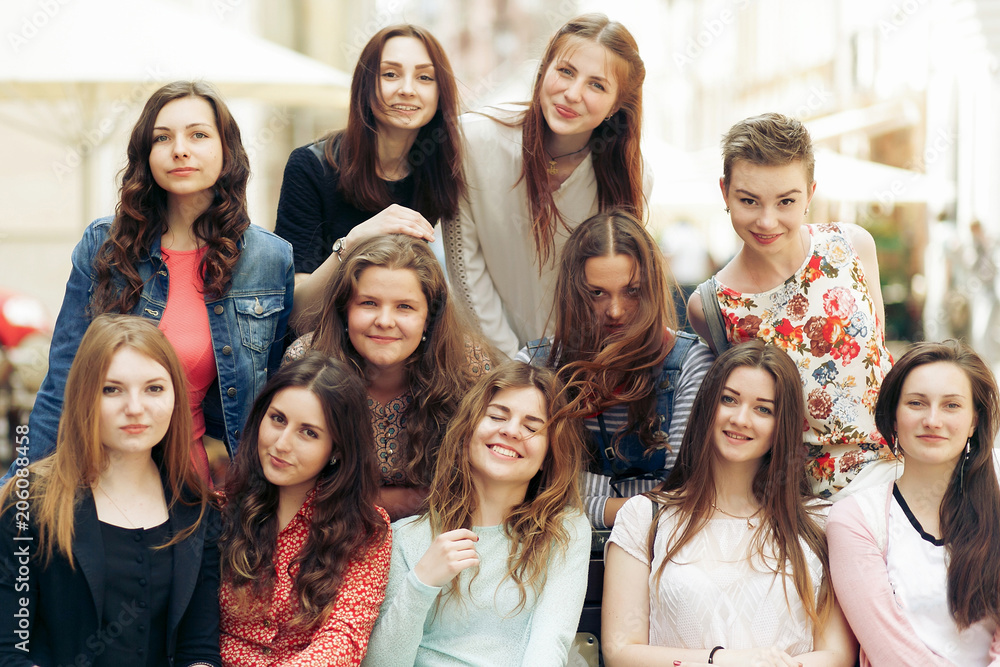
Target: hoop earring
x,y
965,462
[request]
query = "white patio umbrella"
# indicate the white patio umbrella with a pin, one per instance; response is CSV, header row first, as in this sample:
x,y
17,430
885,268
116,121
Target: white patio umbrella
x,y
72,71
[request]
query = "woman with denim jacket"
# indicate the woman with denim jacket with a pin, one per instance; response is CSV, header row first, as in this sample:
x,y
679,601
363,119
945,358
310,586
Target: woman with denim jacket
x,y
180,250
634,390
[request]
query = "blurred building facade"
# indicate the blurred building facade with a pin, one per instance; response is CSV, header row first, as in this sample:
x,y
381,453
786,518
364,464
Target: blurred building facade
x,y
910,84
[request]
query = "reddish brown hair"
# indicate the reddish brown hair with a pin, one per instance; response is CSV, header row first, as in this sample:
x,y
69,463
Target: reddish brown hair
x,y
614,144
435,158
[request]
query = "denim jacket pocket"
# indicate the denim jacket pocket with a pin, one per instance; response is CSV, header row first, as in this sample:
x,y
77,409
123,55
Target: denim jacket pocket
x,y
257,318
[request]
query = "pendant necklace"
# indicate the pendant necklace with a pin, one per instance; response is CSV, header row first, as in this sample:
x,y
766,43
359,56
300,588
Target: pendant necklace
x,y
553,169
734,516
121,511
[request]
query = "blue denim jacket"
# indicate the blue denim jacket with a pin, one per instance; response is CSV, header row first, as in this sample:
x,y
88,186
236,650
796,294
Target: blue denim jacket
x,y
247,324
632,460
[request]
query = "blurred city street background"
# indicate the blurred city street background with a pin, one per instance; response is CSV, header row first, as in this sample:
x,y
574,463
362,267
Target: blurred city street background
x,y
900,96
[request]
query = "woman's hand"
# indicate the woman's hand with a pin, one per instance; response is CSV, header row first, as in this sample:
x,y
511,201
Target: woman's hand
x,y
749,657
449,554
394,219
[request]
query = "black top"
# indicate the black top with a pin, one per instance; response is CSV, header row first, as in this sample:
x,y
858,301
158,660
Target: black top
x,y
312,211
136,597
55,612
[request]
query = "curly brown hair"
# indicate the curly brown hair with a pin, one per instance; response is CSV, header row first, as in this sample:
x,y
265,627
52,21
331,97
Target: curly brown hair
x,y
345,522
439,372
140,217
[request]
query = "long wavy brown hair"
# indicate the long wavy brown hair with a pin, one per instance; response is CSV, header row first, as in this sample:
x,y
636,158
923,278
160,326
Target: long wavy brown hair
x,y
970,510
535,525
781,485
345,522
435,159
601,371
439,372
141,215
614,144
59,481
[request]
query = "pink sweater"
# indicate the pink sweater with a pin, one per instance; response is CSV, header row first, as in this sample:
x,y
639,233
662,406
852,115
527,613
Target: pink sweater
x,y
857,534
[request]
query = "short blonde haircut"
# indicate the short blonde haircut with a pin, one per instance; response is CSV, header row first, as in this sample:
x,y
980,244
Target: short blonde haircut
x,y
770,139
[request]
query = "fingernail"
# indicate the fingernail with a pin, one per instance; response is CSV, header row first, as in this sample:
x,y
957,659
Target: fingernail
x,y
677,663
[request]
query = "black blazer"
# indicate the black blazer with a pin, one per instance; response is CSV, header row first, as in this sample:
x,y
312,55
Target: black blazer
x,y
64,605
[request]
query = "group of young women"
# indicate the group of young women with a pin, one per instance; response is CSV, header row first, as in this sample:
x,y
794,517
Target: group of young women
x,y
396,404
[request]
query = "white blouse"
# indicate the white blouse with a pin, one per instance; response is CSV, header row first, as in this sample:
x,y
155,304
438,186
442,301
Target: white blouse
x,y
712,594
918,573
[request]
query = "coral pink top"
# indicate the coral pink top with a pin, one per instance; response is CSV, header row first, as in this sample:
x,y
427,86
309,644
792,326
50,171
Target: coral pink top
x,y
185,324
264,639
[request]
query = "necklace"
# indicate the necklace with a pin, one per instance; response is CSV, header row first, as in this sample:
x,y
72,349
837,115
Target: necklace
x,y
553,169
734,516
121,511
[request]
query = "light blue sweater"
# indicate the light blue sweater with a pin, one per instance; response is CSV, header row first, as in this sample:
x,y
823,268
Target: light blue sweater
x,y
482,628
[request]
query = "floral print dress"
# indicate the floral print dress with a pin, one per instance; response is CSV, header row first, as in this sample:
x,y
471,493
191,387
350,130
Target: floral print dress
x,y
824,318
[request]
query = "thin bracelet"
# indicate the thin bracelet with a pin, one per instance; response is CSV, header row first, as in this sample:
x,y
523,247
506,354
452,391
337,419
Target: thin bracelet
x,y
711,654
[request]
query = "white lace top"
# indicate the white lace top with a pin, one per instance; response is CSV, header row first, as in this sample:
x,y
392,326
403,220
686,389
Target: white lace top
x,y
712,595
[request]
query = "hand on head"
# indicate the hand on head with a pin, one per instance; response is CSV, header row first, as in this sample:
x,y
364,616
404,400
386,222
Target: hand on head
x,y
394,219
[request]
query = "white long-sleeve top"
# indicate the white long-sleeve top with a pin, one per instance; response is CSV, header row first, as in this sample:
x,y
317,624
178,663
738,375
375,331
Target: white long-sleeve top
x,y
490,252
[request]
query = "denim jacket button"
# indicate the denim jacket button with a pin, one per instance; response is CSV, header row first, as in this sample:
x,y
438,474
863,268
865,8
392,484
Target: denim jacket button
x,y
226,350
231,391
218,310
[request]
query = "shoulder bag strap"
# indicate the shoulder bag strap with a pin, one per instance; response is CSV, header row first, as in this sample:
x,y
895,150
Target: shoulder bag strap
x,y
713,316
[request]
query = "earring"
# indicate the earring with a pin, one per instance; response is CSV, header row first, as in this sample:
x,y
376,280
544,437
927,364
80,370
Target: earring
x,y
807,211
334,460
965,462
726,209
423,339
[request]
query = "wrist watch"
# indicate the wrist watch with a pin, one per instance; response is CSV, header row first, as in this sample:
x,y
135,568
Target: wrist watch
x,y
338,246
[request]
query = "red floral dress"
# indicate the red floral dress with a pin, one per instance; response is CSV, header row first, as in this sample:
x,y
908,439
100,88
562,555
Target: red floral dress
x,y
824,318
266,639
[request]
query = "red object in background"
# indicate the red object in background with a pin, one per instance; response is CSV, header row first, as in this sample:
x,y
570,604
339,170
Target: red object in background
x,y
20,316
